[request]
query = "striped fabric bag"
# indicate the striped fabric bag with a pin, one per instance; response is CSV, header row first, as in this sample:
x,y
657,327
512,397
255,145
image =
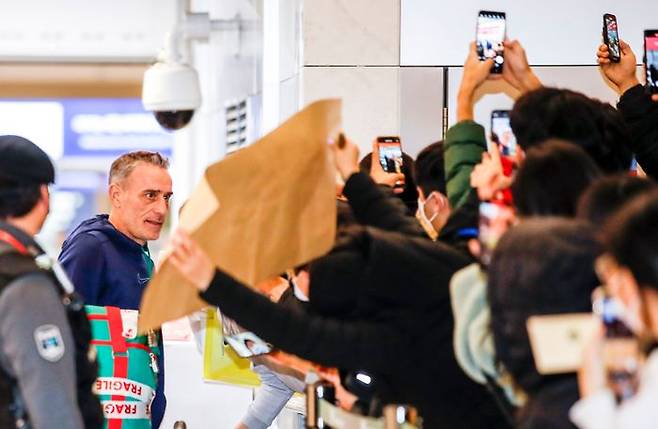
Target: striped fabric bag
x,y
127,367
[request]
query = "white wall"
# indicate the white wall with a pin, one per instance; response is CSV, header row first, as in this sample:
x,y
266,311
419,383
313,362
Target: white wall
x,y
556,32
83,30
352,51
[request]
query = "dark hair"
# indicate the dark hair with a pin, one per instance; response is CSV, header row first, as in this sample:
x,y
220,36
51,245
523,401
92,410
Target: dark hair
x,y
597,127
552,178
410,195
18,200
430,169
631,236
541,266
608,194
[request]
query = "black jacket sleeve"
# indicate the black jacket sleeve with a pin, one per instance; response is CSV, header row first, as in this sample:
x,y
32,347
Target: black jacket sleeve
x,y
373,206
462,224
330,342
641,115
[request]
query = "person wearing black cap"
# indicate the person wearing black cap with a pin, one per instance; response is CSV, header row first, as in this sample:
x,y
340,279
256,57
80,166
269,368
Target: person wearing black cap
x,y
46,369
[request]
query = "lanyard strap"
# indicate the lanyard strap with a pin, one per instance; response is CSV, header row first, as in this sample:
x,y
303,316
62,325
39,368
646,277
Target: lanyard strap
x,y
13,242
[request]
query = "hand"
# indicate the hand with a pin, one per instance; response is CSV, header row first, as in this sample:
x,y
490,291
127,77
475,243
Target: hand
x,y
475,73
488,177
190,260
517,71
621,74
346,156
380,176
344,399
591,375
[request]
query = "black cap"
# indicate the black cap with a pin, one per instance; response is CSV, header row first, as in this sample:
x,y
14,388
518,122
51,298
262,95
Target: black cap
x,y
24,163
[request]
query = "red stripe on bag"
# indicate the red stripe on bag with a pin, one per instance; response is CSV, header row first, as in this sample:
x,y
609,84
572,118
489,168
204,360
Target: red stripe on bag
x,y
97,316
120,349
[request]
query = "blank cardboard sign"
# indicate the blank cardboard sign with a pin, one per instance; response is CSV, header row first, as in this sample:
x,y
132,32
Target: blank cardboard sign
x,y
266,208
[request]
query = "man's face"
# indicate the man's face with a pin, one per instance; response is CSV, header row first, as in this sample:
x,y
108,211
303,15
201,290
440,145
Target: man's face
x,y
141,201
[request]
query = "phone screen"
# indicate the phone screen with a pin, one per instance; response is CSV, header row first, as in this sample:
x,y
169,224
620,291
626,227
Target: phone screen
x,y
390,154
651,58
611,36
501,133
489,38
495,220
248,344
621,348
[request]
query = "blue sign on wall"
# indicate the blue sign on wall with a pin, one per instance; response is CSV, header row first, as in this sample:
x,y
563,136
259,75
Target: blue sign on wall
x,y
110,127
85,127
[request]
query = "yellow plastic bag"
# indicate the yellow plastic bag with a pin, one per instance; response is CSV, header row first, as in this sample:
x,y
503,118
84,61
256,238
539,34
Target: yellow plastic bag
x,y
220,362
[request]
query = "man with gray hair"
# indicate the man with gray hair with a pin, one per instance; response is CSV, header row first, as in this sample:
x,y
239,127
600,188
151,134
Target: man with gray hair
x,y
108,260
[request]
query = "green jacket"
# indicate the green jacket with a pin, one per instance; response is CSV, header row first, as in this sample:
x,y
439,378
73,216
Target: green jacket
x,y
463,147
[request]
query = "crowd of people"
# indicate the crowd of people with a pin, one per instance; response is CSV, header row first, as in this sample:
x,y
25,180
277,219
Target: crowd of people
x,y
409,295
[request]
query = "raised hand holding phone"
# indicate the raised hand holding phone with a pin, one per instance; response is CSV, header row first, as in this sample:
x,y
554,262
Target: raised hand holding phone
x,y
517,71
377,172
475,73
623,73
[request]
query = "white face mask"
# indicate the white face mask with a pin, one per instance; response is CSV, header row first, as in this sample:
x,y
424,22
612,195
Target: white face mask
x,y
426,222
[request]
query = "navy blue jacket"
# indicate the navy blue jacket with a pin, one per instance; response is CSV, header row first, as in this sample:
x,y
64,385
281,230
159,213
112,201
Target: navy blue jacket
x,y
108,269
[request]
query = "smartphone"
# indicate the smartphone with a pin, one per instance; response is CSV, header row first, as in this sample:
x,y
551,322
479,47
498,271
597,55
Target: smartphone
x,y
489,37
621,348
247,344
651,59
611,37
501,133
495,219
390,154
558,340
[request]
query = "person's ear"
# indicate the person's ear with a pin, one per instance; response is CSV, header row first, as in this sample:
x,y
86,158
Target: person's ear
x,y
44,197
420,193
437,202
115,192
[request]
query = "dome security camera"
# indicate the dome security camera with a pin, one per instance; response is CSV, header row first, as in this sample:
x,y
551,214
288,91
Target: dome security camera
x,y
171,91
170,88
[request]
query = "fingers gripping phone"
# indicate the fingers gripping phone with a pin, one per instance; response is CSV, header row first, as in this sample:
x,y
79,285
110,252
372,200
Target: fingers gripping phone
x,y
490,36
501,133
390,154
651,59
611,37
